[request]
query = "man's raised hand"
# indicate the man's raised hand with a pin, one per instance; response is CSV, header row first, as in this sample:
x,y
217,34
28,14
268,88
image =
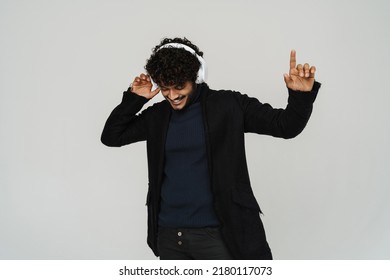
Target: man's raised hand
x,y
300,77
142,85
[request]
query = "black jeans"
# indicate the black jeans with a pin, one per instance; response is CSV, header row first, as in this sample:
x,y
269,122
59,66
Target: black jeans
x,y
192,244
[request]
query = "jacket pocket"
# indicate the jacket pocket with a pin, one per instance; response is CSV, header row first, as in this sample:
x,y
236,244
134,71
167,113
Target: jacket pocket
x,y
245,199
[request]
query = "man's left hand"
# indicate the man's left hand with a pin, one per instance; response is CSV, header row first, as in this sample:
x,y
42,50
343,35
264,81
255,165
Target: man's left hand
x,y
300,77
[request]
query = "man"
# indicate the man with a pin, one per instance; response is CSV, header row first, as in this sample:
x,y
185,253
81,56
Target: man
x,y
200,201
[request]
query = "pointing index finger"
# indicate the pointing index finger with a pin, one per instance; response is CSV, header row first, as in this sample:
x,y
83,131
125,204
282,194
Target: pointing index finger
x,y
293,59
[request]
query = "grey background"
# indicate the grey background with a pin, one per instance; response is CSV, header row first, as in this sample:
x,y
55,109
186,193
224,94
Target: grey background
x,y
65,64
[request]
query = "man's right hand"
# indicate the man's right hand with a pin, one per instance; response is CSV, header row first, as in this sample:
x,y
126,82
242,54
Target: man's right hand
x,y
142,86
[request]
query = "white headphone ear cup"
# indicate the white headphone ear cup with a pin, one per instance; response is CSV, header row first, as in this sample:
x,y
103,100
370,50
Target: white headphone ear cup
x,y
202,73
154,85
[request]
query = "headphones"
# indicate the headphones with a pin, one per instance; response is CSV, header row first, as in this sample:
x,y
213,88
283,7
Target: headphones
x,y
202,69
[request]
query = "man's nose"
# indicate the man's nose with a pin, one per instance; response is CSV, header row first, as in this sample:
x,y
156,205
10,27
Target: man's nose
x,y
172,94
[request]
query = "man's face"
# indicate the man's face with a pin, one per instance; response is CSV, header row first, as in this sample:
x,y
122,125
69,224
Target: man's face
x,y
177,95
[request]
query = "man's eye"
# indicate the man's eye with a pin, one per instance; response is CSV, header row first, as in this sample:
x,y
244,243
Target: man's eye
x,y
179,88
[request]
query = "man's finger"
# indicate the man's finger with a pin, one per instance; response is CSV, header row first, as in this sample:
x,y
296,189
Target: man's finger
x,y
154,92
300,70
312,71
306,68
136,80
293,59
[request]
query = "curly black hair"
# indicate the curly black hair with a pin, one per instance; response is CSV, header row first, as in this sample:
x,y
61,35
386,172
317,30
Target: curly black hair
x,y
173,66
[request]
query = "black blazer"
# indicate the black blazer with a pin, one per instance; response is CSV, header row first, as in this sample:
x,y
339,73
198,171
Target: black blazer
x,y
227,116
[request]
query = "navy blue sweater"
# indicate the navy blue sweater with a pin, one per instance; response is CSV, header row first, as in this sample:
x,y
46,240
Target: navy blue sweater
x,y
186,197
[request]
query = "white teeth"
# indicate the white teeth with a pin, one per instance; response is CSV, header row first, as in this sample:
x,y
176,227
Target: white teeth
x,y
177,100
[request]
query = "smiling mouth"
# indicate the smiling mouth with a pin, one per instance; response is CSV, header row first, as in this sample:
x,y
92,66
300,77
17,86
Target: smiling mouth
x,y
177,100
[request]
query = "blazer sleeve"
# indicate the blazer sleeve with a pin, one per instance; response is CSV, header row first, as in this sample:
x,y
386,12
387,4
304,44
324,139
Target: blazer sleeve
x,y
124,126
285,123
